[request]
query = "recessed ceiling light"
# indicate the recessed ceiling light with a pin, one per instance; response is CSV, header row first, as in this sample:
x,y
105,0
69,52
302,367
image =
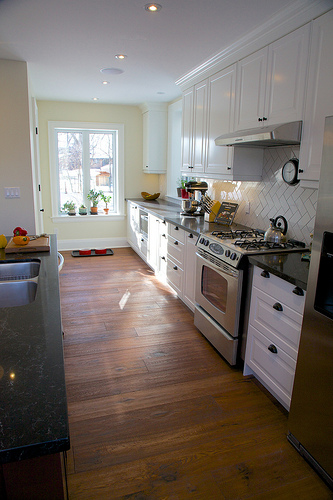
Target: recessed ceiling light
x,y
120,56
112,71
95,99
105,82
153,7
160,93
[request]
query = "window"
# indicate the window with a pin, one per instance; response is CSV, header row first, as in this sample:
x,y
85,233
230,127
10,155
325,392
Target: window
x,y
83,157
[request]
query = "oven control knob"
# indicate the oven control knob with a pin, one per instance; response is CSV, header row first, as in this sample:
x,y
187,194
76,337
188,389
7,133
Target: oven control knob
x,y
233,256
227,253
202,240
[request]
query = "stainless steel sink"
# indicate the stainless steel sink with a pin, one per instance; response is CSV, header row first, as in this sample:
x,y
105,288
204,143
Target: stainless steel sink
x,y
18,282
23,270
17,293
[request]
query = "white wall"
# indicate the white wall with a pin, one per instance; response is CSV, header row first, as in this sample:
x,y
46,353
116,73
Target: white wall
x,y
77,232
15,150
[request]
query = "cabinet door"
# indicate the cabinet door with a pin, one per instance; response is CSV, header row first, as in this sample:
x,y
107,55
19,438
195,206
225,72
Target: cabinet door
x,y
189,271
187,130
153,241
319,99
250,93
155,141
199,127
133,230
286,77
221,114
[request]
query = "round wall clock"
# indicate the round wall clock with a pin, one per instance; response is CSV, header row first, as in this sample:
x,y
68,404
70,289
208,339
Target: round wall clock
x,y
290,172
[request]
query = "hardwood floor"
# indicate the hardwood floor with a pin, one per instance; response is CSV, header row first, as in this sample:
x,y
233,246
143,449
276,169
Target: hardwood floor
x,y
155,413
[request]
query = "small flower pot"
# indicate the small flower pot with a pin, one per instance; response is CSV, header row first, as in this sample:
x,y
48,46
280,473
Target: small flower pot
x,y
106,210
184,194
82,211
93,210
71,212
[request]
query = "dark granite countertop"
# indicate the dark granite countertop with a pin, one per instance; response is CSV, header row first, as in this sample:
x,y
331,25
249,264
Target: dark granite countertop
x,y
288,266
170,211
33,403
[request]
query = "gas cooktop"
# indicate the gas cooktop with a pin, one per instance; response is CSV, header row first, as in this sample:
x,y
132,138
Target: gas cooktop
x,y
231,245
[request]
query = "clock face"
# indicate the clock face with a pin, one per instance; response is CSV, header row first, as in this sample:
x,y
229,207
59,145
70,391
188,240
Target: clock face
x,y
289,171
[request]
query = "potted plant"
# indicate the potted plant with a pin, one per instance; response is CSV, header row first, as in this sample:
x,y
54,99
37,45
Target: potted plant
x,y
106,200
93,196
69,207
181,191
83,209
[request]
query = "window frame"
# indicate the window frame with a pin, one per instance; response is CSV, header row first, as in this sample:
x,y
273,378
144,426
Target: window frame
x,y
53,127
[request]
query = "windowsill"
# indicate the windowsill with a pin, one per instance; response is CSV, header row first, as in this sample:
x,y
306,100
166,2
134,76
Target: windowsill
x,y
87,218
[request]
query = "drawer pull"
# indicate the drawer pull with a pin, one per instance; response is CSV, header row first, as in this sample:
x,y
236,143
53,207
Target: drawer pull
x,y
164,235
191,235
265,274
163,258
298,291
175,268
176,242
277,306
176,228
272,348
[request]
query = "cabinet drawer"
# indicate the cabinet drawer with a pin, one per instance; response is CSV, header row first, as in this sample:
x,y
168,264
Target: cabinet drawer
x,y
282,326
275,370
176,232
176,250
282,290
175,276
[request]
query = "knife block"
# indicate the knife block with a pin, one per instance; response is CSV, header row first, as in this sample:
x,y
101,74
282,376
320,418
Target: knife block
x,y
213,212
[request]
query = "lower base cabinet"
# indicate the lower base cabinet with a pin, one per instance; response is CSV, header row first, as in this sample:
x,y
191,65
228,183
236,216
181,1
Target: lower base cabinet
x,y
273,335
37,478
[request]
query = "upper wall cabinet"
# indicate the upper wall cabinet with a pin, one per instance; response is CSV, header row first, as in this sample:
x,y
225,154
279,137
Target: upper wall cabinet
x,y
271,82
155,133
319,100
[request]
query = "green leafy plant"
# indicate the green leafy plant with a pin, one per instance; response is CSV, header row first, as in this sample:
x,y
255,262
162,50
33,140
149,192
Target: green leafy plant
x,y
83,206
93,196
69,205
181,182
105,198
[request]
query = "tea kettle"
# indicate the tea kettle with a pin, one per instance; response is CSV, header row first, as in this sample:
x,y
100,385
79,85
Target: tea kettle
x,y
276,234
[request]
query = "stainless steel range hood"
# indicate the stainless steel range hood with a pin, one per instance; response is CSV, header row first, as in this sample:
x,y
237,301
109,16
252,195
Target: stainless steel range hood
x,y
285,134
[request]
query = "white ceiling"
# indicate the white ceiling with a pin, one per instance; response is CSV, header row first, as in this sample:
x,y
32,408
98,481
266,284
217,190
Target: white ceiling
x,y
67,42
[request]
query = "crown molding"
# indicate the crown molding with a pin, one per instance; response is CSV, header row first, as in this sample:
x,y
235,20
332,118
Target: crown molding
x,y
296,15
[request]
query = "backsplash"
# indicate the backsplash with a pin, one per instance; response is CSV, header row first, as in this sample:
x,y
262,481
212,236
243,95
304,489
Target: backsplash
x,y
271,197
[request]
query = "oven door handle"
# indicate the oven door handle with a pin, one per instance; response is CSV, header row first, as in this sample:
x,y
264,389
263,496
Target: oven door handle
x,y
225,270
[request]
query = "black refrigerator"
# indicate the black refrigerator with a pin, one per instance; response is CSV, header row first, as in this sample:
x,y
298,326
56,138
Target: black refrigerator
x,y
310,423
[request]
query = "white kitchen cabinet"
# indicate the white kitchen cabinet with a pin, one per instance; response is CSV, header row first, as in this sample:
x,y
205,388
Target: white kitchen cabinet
x,y
176,258
133,225
188,295
275,321
194,129
134,237
220,120
155,134
208,111
319,100
271,82
187,129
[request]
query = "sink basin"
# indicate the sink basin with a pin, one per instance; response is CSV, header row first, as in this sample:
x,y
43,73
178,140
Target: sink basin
x,y
23,270
17,293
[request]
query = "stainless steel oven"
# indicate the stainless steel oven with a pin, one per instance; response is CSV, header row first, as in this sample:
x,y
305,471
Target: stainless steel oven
x,y
218,299
222,284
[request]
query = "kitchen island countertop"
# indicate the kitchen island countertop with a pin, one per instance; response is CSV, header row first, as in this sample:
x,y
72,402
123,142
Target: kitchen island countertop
x,y
33,403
